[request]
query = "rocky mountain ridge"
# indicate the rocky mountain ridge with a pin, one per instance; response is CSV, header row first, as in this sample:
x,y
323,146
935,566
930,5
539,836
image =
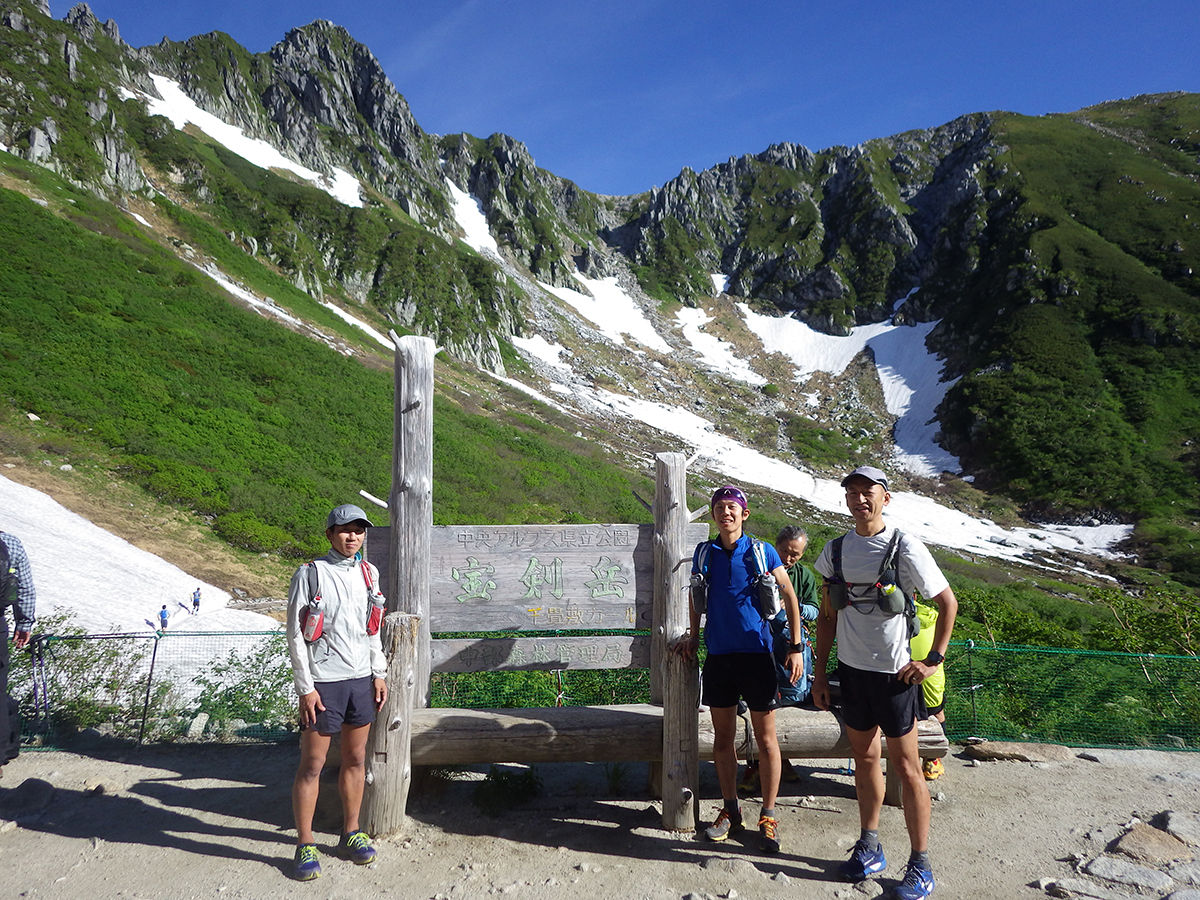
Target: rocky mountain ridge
x,y
1057,255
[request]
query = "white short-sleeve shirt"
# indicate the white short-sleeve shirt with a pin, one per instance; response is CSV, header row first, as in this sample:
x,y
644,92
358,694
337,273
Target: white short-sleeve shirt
x,y
867,637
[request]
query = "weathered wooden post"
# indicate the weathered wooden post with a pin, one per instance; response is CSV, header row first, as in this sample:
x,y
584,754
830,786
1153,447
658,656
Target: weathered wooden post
x,y
411,498
406,637
680,677
389,768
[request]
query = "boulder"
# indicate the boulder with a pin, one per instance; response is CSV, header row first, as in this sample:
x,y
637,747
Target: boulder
x,y
1150,845
1022,752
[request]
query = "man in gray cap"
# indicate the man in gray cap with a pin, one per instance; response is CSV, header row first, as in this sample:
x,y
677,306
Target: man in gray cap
x,y
871,575
334,612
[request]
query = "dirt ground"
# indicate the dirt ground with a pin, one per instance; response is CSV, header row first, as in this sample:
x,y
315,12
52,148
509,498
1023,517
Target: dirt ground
x,y
211,821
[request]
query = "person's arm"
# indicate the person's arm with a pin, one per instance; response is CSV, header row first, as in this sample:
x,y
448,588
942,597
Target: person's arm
x,y
310,701
826,630
795,657
808,595
918,669
25,601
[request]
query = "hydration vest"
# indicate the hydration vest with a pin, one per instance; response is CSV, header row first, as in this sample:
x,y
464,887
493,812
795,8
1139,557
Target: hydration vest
x,y
766,589
889,596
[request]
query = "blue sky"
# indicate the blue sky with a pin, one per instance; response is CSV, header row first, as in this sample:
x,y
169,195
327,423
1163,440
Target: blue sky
x,y
620,95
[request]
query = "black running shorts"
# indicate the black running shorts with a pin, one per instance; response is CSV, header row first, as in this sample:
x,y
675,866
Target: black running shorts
x,y
750,676
871,699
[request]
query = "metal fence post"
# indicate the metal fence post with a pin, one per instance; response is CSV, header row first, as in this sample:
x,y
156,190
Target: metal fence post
x,y
149,684
971,682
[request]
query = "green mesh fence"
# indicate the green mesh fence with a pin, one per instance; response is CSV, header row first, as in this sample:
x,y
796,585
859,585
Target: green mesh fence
x,y
237,687
179,686
1073,697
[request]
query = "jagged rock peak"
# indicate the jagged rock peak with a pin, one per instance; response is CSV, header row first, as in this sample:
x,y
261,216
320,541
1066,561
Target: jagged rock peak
x,y
788,156
42,6
322,46
83,20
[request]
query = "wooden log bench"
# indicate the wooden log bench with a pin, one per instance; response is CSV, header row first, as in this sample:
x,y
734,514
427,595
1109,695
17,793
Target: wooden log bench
x,y
622,733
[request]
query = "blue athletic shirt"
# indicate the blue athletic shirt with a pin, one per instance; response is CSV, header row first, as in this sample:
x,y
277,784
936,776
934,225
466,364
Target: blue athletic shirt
x,y
734,624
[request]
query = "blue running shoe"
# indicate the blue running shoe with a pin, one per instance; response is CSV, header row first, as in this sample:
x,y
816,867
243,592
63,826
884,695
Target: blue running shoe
x,y
308,863
863,862
917,883
356,847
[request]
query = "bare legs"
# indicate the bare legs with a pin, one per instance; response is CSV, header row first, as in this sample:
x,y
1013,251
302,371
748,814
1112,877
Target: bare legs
x,y
314,747
868,779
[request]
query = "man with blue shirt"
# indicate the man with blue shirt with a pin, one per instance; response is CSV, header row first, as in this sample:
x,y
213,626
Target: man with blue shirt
x,y
739,663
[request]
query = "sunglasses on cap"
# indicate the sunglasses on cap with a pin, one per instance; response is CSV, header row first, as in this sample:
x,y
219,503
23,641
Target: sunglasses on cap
x,y
729,492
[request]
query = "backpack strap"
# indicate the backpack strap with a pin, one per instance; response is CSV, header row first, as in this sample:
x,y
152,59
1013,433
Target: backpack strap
x,y
889,558
835,551
8,574
314,584
702,549
760,556
890,561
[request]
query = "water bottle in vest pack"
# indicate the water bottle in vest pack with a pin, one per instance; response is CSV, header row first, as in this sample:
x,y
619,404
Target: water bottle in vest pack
x,y
766,588
375,600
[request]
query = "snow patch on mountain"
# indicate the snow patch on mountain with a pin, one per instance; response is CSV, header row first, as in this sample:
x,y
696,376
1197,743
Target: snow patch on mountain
x,y
911,376
716,354
468,213
177,106
613,311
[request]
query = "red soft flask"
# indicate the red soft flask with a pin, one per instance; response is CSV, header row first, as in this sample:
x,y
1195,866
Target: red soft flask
x,y
312,623
374,615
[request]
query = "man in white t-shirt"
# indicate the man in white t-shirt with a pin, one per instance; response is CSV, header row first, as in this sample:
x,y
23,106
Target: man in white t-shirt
x,y
880,682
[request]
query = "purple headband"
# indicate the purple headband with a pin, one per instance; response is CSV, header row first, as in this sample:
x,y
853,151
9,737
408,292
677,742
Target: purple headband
x,y
729,492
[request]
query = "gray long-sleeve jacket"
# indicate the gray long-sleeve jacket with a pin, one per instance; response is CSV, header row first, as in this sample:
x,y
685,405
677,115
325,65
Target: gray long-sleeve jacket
x,y
344,650
17,584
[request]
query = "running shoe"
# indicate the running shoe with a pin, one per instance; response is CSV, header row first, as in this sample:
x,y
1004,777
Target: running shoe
x,y
768,834
724,825
308,863
917,883
863,862
933,769
356,847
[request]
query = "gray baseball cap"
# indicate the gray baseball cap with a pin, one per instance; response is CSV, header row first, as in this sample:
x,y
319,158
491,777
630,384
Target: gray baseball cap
x,y
871,474
347,512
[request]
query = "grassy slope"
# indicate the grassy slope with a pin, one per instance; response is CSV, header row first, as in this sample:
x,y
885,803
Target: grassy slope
x,y
210,407
1091,367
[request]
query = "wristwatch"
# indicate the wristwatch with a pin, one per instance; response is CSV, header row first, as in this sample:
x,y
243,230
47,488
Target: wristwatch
x,y
795,648
934,658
